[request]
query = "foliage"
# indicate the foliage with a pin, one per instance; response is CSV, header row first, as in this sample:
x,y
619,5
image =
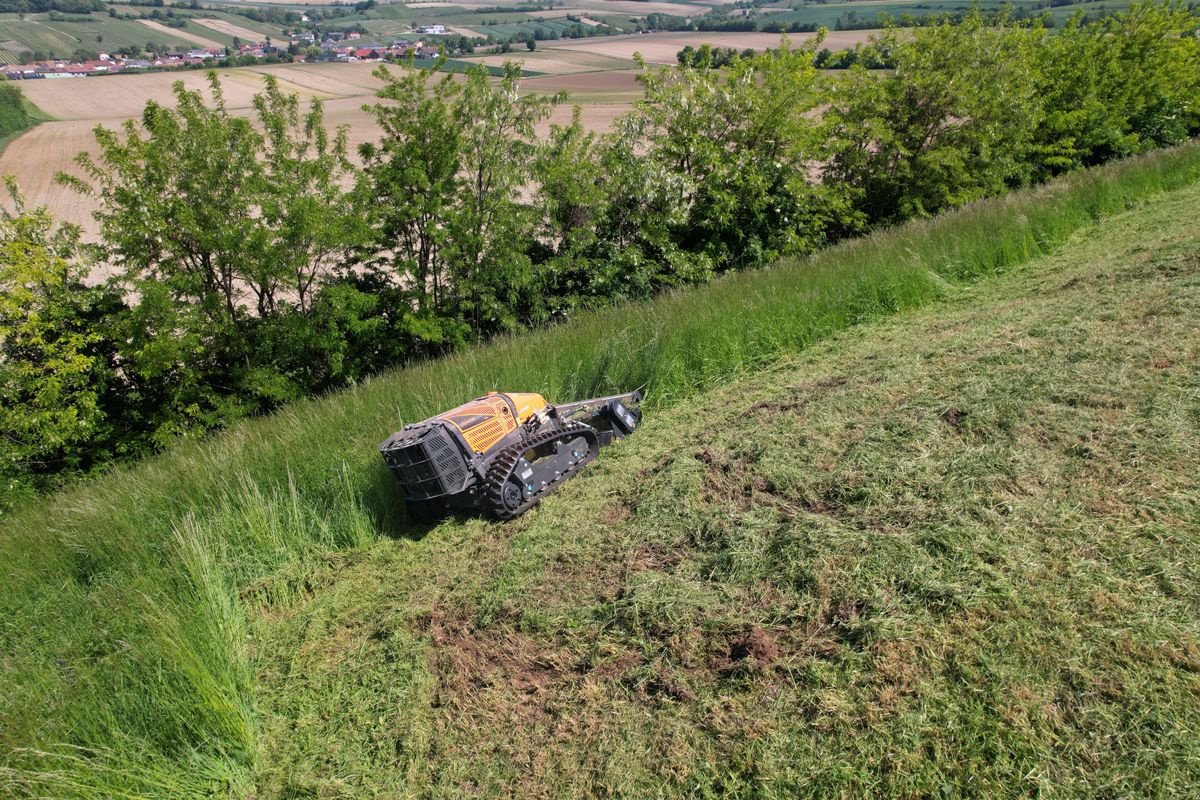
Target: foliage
x,y
42,6
454,157
13,116
220,229
256,277
1117,87
737,141
934,132
54,371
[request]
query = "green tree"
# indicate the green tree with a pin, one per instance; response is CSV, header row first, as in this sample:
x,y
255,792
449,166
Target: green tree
x,y
1118,86
412,178
490,226
445,183
310,221
222,230
954,120
53,371
739,142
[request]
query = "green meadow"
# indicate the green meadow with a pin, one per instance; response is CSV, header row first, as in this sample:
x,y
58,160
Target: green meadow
x,y
916,516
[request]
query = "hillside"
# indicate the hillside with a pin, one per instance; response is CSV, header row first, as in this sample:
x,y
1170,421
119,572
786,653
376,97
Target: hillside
x,y
916,516
952,553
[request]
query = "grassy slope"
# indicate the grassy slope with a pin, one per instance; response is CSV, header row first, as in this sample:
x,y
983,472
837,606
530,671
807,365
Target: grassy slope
x,y
949,554
126,659
36,117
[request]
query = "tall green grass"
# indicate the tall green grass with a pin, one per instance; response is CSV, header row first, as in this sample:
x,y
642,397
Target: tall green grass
x,y
123,654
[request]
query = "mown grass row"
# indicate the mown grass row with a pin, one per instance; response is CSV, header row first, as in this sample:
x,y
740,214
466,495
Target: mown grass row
x,y
125,662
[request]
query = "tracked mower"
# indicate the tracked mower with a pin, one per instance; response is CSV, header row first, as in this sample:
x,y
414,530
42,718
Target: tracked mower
x,y
502,453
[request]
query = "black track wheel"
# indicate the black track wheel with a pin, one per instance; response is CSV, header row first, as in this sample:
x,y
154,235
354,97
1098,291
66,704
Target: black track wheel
x,y
504,496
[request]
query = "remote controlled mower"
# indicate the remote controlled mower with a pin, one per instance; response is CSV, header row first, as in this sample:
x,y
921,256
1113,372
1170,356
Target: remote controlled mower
x,y
502,453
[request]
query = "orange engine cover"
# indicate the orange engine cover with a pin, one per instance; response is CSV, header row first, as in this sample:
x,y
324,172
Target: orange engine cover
x,y
486,420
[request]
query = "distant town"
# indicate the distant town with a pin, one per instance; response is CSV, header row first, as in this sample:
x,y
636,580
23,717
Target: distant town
x,y
337,46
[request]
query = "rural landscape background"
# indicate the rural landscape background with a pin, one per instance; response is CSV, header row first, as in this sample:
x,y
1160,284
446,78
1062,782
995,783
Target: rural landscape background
x,y
914,509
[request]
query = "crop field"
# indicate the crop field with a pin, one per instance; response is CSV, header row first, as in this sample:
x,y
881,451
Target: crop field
x,y
76,106
190,35
663,48
36,35
63,38
228,30
913,517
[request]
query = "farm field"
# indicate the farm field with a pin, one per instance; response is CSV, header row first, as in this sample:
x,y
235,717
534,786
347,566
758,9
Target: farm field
x,y
230,29
858,12
96,32
662,48
191,36
599,74
19,37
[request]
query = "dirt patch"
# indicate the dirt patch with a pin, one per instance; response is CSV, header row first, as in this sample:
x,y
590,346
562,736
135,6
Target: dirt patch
x,y
953,417
615,512
753,651
499,675
729,480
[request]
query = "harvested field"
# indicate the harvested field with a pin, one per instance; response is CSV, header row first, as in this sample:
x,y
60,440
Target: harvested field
x,y
34,159
559,62
178,35
221,26
595,116
80,105
589,86
639,9
123,96
662,48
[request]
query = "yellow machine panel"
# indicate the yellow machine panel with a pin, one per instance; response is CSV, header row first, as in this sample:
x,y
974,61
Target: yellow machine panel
x,y
526,403
487,420
483,422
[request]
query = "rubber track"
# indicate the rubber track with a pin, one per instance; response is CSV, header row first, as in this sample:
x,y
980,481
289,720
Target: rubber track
x,y
506,461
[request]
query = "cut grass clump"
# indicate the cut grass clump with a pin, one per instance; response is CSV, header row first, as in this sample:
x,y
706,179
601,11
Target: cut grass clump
x,y
125,600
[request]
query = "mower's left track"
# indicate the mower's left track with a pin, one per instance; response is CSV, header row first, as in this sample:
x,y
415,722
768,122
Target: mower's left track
x,y
524,472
